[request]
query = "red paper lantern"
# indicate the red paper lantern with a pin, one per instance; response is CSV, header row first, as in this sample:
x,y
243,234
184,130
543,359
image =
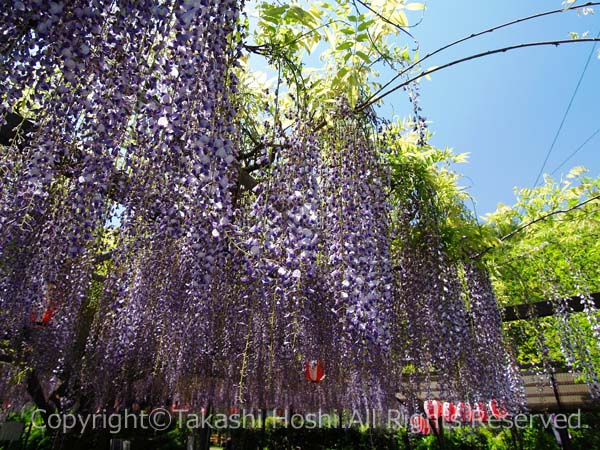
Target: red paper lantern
x,y
449,412
464,412
48,314
47,317
51,308
499,411
480,412
419,424
314,371
433,409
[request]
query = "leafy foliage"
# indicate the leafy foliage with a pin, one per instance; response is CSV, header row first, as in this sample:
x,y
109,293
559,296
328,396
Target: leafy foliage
x,y
552,258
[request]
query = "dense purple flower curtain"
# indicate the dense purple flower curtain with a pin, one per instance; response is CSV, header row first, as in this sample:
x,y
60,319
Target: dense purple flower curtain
x,y
132,143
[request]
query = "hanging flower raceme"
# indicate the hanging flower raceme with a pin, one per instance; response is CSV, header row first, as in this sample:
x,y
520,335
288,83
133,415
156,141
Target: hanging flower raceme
x,y
290,312
283,264
578,342
355,227
496,374
66,70
433,318
447,317
177,208
134,112
356,242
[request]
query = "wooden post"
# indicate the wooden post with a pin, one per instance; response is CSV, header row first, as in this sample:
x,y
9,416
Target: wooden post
x,y
407,440
263,426
205,433
440,423
563,432
437,428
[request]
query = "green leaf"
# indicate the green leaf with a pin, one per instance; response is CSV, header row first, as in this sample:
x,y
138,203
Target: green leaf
x,y
340,77
400,18
302,16
363,26
353,91
345,46
275,11
363,56
363,37
415,6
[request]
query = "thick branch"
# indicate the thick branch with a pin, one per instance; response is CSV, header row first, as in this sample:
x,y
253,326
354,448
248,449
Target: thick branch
x,y
246,180
424,73
553,213
539,219
36,392
385,19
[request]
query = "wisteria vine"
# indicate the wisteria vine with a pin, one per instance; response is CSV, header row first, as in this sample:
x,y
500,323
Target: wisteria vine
x,y
214,298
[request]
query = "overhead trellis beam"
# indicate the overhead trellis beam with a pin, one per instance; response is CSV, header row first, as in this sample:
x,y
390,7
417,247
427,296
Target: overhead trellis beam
x,y
526,311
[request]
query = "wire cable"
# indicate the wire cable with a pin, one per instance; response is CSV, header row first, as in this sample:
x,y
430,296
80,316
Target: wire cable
x,y
576,151
549,152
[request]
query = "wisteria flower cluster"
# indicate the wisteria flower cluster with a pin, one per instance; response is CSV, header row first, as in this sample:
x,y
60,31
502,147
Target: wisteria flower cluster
x,y
211,298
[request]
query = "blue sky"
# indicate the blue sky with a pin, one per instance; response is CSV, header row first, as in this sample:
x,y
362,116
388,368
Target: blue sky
x,y
505,109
